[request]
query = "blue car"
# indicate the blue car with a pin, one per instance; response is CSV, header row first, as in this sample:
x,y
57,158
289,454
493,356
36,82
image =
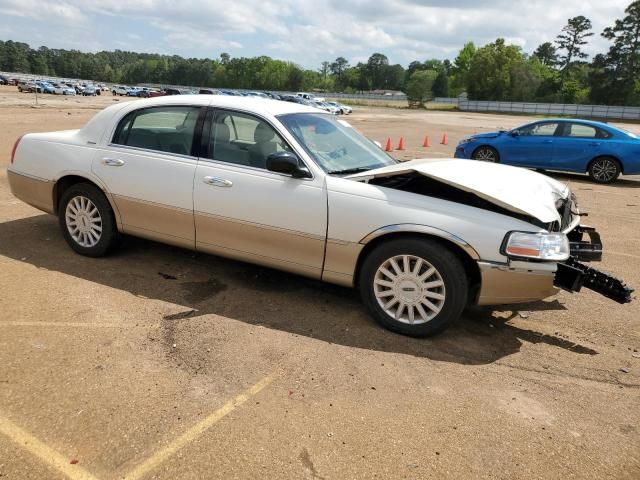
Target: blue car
x,y
602,151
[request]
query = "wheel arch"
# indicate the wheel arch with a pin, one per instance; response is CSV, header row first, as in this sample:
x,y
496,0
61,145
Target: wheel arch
x,y
67,180
486,145
606,155
465,252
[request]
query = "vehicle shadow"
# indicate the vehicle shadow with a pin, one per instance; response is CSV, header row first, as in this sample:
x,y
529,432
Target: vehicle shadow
x,y
198,284
622,182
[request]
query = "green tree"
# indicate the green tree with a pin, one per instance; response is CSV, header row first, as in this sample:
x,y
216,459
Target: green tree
x,y
461,65
419,87
441,84
492,70
547,54
570,41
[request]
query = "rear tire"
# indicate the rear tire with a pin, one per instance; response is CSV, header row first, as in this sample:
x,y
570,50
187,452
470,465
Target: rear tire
x,y
604,170
414,286
486,153
87,221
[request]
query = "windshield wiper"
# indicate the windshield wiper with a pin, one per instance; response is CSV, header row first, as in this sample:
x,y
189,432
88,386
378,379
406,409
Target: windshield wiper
x,y
347,171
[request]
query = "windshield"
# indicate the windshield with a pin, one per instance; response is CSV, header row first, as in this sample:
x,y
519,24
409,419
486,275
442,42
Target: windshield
x,y
334,144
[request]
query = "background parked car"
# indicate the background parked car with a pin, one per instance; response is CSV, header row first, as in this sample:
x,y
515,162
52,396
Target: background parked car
x,y
344,109
583,146
4,80
119,90
89,91
208,91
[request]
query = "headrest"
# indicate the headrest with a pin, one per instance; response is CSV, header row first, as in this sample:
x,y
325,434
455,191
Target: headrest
x,y
263,133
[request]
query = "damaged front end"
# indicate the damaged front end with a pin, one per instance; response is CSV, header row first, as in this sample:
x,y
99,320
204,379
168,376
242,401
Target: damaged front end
x,y
585,245
572,275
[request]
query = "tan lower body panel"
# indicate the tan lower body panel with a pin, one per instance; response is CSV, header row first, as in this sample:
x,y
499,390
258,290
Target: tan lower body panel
x,y
156,222
501,285
36,192
340,262
277,248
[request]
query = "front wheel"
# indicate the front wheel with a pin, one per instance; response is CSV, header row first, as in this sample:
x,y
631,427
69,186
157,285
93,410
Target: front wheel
x,y
414,286
604,170
87,220
486,154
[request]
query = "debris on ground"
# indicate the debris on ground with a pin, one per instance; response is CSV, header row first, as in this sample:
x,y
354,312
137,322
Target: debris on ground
x,y
167,276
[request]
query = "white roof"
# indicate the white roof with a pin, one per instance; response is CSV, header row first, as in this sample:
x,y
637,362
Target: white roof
x,y
94,129
255,104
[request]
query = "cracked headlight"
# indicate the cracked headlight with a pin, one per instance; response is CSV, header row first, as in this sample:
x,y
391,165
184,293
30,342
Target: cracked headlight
x,y
540,246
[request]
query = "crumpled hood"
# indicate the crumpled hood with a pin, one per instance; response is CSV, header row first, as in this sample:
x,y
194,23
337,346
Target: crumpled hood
x,y
516,189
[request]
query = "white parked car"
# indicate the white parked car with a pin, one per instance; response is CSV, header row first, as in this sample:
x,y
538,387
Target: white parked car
x,y
326,107
290,187
120,90
342,109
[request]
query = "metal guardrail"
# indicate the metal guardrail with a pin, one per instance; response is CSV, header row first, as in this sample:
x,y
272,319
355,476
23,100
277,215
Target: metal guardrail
x,y
591,111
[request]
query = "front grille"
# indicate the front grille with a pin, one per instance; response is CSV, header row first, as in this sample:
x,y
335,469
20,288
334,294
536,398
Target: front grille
x,y
566,212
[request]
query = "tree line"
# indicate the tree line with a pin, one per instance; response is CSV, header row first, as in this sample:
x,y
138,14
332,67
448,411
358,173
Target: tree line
x,y
556,71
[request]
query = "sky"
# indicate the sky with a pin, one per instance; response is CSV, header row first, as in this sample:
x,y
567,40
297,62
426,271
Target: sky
x,y
304,31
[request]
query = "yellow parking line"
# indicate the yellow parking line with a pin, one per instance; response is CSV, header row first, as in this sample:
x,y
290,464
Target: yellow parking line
x,y
198,429
42,451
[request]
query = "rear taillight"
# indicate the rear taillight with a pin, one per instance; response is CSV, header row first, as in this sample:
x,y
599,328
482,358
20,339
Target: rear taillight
x,y
15,147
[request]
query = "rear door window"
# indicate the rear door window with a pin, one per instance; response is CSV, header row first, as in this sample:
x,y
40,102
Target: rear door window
x,y
165,129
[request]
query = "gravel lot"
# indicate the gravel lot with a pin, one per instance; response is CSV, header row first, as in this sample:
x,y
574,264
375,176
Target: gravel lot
x,y
108,370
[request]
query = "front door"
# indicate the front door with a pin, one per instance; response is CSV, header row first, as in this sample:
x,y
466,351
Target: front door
x,y
532,146
246,212
149,170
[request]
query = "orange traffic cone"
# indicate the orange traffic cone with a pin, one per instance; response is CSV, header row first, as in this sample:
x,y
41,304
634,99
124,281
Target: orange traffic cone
x,y
400,144
387,147
444,138
426,141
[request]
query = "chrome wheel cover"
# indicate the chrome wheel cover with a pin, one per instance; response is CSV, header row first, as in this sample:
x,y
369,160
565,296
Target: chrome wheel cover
x,y
604,170
409,289
83,221
486,155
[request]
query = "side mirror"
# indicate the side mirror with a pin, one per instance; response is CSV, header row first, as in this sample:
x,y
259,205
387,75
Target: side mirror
x,y
514,133
287,163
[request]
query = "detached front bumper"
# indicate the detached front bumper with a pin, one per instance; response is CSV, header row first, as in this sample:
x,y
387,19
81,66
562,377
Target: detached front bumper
x,y
519,281
585,245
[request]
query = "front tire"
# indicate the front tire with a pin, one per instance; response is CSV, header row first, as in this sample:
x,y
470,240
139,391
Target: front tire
x,y
486,153
604,170
414,286
87,221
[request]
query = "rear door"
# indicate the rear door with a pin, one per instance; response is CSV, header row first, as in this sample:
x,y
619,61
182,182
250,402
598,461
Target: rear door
x,y
148,167
532,146
577,145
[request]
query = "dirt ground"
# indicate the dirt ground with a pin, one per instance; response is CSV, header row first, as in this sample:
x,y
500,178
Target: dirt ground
x,y
110,371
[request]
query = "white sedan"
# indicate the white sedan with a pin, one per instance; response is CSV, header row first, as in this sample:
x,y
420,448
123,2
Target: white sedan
x,y
290,187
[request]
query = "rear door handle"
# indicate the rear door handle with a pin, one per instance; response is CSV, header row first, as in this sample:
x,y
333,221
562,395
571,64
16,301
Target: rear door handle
x,y
217,182
548,141
113,162
594,144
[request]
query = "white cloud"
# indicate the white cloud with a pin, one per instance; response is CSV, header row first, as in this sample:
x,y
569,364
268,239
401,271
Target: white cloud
x,y
304,31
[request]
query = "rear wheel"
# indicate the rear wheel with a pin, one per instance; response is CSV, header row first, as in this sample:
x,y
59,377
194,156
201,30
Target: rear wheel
x,y
414,286
486,154
604,170
87,220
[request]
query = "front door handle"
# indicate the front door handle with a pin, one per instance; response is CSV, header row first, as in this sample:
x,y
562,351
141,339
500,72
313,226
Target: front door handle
x,y
548,141
113,162
594,144
217,182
